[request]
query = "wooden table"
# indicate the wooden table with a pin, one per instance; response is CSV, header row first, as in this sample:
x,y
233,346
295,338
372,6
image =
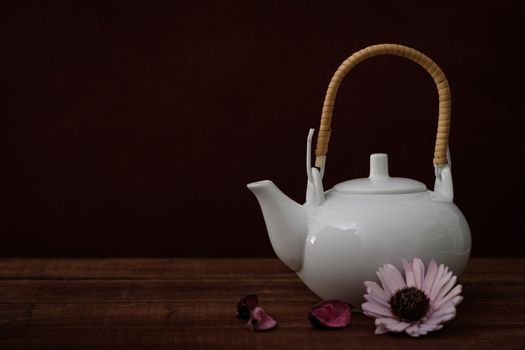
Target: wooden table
x,y
190,304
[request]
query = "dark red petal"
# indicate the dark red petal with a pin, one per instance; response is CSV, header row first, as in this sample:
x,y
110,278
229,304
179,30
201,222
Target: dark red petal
x,y
261,321
246,305
330,314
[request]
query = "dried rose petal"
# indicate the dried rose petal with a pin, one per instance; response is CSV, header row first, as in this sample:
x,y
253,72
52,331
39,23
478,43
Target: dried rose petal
x,y
261,321
246,305
330,314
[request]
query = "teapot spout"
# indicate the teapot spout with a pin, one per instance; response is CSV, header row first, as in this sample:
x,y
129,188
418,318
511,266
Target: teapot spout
x,y
286,222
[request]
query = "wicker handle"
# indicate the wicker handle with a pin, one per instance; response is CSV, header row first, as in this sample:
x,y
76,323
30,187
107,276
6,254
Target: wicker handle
x,y
323,138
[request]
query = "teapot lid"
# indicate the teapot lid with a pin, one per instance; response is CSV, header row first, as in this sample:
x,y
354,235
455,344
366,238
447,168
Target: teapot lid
x,y
379,182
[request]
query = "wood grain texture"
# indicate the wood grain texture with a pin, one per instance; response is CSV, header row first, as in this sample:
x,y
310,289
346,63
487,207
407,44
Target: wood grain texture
x,y
190,304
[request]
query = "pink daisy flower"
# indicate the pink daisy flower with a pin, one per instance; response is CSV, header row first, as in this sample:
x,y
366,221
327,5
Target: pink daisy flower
x,y
417,305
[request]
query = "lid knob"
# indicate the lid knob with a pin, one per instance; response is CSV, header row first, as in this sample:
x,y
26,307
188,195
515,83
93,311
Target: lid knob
x,y
379,181
379,165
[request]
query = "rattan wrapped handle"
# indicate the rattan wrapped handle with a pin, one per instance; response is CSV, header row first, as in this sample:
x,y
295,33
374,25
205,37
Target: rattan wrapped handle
x,y
440,150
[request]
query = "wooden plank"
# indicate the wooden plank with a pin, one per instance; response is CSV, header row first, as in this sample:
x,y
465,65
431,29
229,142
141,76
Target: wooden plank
x,y
354,337
210,290
206,290
473,312
177,268
190,304
218,315
136,268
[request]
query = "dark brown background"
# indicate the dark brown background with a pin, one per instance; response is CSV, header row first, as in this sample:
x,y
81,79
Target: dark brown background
x,y
132,129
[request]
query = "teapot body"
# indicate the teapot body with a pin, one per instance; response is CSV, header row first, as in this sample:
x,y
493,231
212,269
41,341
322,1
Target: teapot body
x,y
350,235
339,238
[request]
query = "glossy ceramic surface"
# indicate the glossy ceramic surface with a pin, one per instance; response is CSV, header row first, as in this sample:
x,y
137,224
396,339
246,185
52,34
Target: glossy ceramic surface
x,y
337,239
350,236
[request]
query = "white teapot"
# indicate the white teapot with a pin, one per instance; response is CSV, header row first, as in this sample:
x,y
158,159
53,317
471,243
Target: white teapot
x,y
338,238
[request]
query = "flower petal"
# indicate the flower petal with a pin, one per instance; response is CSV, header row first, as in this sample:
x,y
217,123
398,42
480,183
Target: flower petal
x,y
381,329
413,330
454,302
391,278
419,272
374,299
442,312
430,277
437,283
435,320
376,291
409,273
453,293
383,283
375,310
446,270
446,287
425,328
392,324
260,320
431,327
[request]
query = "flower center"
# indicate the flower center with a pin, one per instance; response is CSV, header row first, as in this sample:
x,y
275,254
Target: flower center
x,y
409,304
